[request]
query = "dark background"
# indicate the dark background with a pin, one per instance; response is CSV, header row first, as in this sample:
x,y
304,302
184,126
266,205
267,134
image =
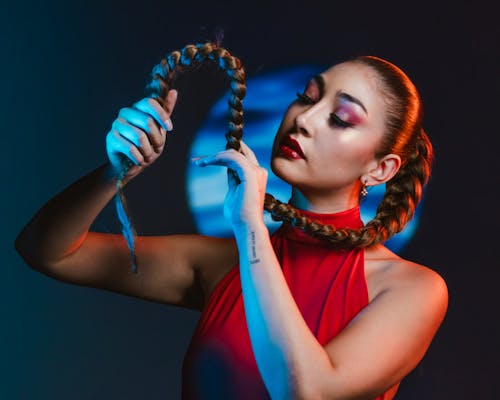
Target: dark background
x,y
68,67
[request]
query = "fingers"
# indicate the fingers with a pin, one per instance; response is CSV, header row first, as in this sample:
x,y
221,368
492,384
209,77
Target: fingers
x,y
145,123
170,101
137,137
247,151
153,108
122,145
231,159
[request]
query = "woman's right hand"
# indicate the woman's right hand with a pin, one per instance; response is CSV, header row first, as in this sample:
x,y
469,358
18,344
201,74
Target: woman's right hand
x,y
139,133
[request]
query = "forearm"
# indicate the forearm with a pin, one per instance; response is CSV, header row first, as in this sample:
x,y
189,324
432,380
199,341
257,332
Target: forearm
x,y
62,224
287,353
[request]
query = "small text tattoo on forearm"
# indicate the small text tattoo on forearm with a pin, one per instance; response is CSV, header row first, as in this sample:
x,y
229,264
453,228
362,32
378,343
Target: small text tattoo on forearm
x,y
253,259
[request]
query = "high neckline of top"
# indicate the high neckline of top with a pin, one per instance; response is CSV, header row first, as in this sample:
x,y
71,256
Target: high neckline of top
x,y
350,219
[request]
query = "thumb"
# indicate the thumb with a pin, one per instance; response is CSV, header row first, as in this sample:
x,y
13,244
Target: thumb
x,y
170,101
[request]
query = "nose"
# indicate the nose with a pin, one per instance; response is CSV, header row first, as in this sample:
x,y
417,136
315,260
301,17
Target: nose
x,y
304,121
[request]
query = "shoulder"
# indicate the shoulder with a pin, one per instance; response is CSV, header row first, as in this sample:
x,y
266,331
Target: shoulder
x,y
404,314
389,272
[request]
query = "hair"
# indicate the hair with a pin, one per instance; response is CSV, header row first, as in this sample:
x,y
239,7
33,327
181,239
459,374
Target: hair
x,y
162,77
404,137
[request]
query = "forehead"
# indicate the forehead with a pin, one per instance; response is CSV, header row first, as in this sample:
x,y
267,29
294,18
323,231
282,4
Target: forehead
x,y
355,79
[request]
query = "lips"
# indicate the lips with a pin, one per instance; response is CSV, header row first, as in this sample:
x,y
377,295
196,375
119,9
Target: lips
x,y
289,147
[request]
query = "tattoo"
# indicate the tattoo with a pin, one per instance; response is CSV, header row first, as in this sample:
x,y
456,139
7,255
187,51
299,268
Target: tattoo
x,y
254,259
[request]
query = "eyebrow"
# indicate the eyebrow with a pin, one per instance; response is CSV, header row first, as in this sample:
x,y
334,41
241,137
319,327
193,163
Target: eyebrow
x,y
343,95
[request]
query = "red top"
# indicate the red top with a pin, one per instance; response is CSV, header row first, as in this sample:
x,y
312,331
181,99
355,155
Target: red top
x,y
329,287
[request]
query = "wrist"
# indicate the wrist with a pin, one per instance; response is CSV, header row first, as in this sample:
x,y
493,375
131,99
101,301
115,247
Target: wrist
x,y
112,174
244,229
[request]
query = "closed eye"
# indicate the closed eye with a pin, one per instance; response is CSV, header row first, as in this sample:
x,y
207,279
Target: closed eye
x,y
336,120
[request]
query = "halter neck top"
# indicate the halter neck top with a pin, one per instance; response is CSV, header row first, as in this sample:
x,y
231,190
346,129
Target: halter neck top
x,y
328,285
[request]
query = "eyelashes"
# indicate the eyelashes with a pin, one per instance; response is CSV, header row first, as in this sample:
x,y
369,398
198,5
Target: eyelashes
x,y
340,122
334,118
304,98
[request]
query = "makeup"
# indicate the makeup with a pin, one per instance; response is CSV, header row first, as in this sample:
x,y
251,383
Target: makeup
x,y
290,148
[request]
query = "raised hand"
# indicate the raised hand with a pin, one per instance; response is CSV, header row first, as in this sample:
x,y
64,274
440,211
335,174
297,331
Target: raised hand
x,y
139,133
247,181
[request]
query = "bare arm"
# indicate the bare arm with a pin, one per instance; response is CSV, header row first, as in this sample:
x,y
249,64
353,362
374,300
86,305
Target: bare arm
x,y
172,269
62,224
378,347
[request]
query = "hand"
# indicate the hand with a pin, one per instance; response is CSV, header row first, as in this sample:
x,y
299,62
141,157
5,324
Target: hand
x,y
139,133
244,202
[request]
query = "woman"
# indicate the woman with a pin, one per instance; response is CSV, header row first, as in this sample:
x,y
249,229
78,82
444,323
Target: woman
x,y
319,312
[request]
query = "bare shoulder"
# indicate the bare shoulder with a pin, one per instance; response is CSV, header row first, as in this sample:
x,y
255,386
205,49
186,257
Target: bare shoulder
x,y
407,305
386,271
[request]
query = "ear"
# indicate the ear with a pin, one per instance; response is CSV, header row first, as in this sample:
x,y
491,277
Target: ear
x,y
382,170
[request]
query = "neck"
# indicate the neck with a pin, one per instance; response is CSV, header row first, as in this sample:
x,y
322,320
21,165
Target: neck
x,y
324,202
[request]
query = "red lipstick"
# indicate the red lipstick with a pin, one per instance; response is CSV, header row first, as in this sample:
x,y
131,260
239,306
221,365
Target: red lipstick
x,y
290,148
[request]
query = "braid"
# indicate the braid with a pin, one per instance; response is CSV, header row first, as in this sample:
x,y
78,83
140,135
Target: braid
x,y
292,216
162,76
404,137
403,193
196,55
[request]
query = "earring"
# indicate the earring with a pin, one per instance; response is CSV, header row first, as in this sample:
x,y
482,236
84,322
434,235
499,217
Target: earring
x,y
364,192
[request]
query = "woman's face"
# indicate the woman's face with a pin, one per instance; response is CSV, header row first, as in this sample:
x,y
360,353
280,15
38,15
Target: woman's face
x,y
328,136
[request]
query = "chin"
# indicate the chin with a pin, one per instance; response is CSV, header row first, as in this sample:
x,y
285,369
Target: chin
x,y
283,169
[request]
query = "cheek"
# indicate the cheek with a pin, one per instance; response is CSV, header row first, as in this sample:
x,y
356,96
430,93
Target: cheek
x,y
348,149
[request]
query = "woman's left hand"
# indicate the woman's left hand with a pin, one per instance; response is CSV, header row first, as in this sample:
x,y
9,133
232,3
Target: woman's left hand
x,y
247,181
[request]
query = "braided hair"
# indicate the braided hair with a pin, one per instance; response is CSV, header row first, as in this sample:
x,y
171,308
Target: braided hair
x,y
404,136
162,76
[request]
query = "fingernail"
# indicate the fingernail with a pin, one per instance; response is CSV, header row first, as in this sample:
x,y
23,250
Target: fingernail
x,y
169,124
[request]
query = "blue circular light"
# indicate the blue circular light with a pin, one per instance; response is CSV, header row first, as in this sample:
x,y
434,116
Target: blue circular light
x,y
267,98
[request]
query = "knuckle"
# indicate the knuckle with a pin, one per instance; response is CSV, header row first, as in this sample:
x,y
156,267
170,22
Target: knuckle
x,y
152,102
132,151
151,124
142,139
